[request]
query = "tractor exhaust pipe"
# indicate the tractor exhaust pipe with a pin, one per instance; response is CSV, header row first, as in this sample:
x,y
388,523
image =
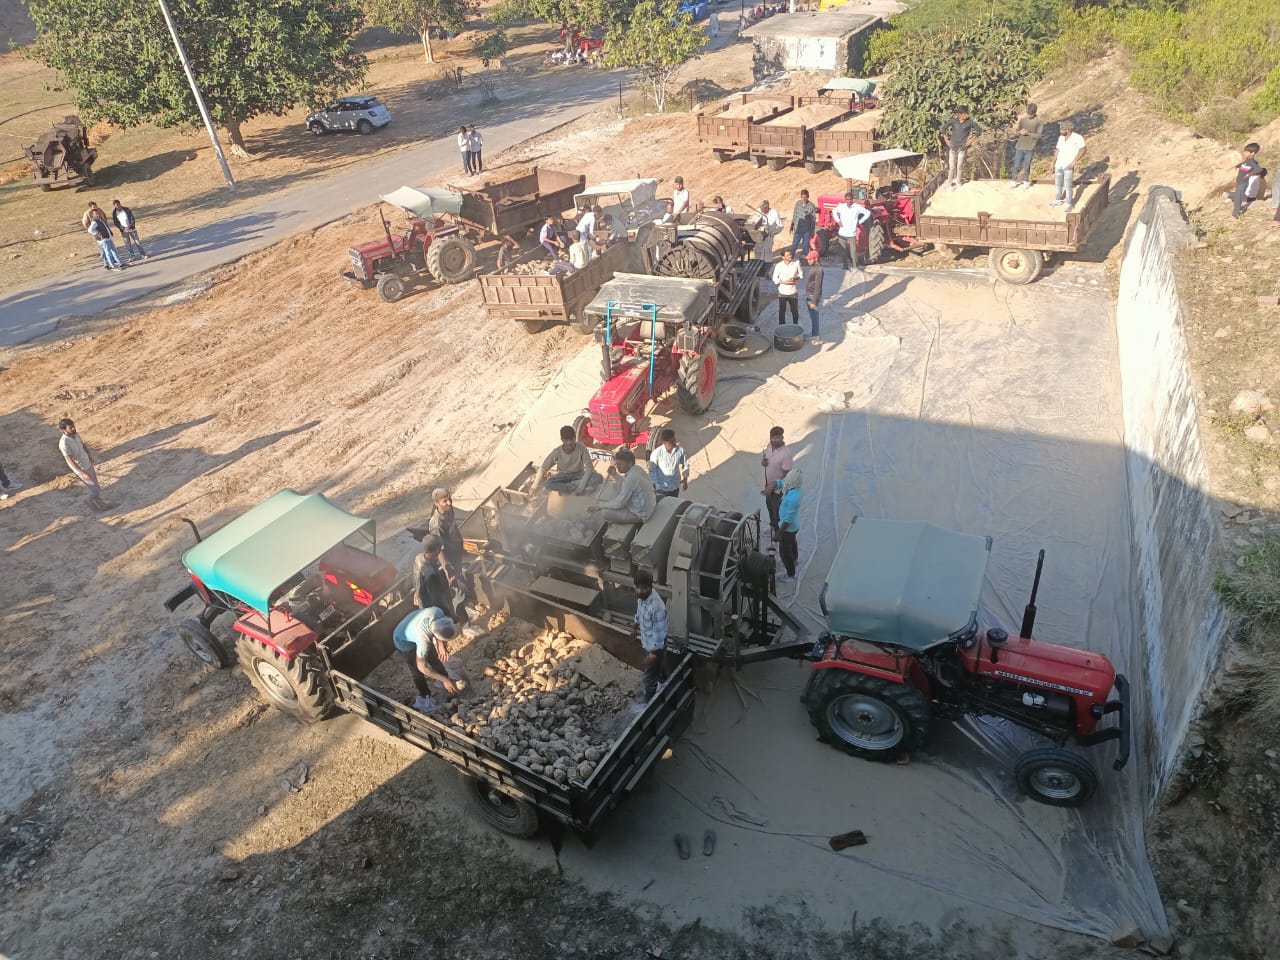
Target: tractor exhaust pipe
x,y
1029,611
194,529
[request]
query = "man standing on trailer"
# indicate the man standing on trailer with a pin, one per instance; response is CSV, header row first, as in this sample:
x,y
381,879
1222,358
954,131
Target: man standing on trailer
x,y
1066,155
422,639
444,524
960,134
430,584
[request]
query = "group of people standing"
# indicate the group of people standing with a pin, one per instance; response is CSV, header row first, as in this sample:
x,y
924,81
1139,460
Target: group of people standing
x,y
99,226
471,146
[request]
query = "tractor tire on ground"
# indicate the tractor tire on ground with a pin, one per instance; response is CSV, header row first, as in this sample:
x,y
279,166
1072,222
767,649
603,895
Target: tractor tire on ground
x,y
318,129
364,128
777,163
788,337
868,717
822,242
696,385
1056,776
722,156
875,243
1016,266
390,287
451,259
514,817
297,687
201,641
534,326
750,304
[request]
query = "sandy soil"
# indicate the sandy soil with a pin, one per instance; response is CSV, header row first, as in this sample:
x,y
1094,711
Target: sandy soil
x,y
863,121
1002,201
808,116
753,108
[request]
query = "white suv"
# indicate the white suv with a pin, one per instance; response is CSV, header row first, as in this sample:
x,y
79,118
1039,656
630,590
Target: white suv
x,y
361,114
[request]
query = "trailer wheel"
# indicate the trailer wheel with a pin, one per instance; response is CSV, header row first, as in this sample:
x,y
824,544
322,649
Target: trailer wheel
x,y
390,287
722,156
777,163
514,817
201,641
750,303
815,166
296,687
875,243
1055,776
534,326
46,187
760,161
1016,266
868,717
696,386
451,259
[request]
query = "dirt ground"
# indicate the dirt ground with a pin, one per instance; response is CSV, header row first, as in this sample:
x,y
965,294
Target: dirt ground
x,y
160,811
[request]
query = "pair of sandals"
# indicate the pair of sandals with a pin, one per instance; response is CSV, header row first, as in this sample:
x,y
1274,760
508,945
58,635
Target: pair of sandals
x,y
708,844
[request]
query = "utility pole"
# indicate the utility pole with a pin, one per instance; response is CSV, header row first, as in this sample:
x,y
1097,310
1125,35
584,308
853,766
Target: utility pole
x,y
204,111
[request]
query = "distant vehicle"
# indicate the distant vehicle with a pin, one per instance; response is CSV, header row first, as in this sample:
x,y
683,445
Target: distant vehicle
x,y
361,114
698,9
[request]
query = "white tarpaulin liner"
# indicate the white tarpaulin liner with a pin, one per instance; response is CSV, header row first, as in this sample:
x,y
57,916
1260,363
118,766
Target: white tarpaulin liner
x,y
984,409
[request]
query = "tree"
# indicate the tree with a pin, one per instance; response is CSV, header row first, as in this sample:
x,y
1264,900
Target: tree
x,y
250,57
420,16
493,46
989,68
573,16
656,42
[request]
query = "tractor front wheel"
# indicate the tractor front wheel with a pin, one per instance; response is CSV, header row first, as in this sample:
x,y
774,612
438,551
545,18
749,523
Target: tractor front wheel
x,y
1056,776
875,243
390,287
582,429
868,717
451,259
514,817
297,687
1016,266
201,641
696,386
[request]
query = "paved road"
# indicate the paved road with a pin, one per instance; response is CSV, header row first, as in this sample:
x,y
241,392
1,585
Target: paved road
x,y
34,310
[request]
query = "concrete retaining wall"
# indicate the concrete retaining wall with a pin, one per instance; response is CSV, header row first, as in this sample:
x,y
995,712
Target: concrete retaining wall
x,y
1181,624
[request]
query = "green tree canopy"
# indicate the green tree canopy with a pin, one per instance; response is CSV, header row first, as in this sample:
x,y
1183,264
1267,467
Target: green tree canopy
x,y
656,42
989,68
420,16
250,57
569,15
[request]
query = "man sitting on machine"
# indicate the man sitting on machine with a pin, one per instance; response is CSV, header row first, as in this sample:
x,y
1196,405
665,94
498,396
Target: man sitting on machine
x,y
635,499
569,465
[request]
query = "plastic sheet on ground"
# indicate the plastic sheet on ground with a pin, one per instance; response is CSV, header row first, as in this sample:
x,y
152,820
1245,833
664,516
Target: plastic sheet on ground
x,y
991,410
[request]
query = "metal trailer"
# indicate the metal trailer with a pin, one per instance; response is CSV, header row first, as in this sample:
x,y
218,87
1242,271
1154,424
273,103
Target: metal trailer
x,y
727,129
790,136
537,300
853,135
513,206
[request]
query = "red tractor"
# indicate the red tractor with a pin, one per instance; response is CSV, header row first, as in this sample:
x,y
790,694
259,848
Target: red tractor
x,y
431,247
904,646
656,334
886,182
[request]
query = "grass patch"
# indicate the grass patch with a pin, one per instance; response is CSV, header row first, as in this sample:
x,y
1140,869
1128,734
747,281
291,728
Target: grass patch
x,y
1253,593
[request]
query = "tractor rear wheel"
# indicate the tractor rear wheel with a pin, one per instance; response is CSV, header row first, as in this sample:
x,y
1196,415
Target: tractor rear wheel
x,y
390,287
777,163
1016,266
868,717
696,385
1056,776
451,259
201,641
296,687
875,243
514,817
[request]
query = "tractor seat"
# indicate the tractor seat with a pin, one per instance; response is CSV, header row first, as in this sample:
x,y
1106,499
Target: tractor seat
x,y
645,330
360,567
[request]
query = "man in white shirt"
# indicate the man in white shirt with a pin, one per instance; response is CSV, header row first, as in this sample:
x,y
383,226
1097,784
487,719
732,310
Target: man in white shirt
x,y
464,148
477,150
1065,156
786,277
568,468
579,250
80,460
679,198
668,466
550,240
587,223
849,216
767,222
635,500
650,628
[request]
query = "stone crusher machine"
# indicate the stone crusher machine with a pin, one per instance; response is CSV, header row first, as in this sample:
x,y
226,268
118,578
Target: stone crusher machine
x,y
717,247
539,552
62,155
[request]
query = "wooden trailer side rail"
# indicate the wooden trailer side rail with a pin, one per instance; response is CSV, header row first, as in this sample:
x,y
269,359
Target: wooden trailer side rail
x,y
523,297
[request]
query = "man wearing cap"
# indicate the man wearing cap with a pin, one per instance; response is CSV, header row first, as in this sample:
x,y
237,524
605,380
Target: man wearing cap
x,y
635,500
960,134
422,639
679,199
430,585
813,293
767,222
568,468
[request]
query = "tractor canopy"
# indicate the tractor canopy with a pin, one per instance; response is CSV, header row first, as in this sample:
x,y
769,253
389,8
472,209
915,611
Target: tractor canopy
x,y
863,88
638,194
880,168
677,299
425,202
908,585
256,553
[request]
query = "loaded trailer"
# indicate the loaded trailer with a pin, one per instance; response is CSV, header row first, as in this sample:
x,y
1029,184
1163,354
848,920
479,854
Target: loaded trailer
x,y
517,205
791,136
315,610
727,128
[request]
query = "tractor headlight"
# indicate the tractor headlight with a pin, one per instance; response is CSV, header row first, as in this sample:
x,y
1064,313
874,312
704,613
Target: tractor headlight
x,y
631,420
586,413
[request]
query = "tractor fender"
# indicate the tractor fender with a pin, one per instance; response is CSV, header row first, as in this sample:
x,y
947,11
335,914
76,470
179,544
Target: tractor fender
x,y
899,668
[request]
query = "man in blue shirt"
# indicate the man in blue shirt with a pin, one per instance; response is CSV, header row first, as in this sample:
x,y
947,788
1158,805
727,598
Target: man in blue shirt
x,y
422,638
651,628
